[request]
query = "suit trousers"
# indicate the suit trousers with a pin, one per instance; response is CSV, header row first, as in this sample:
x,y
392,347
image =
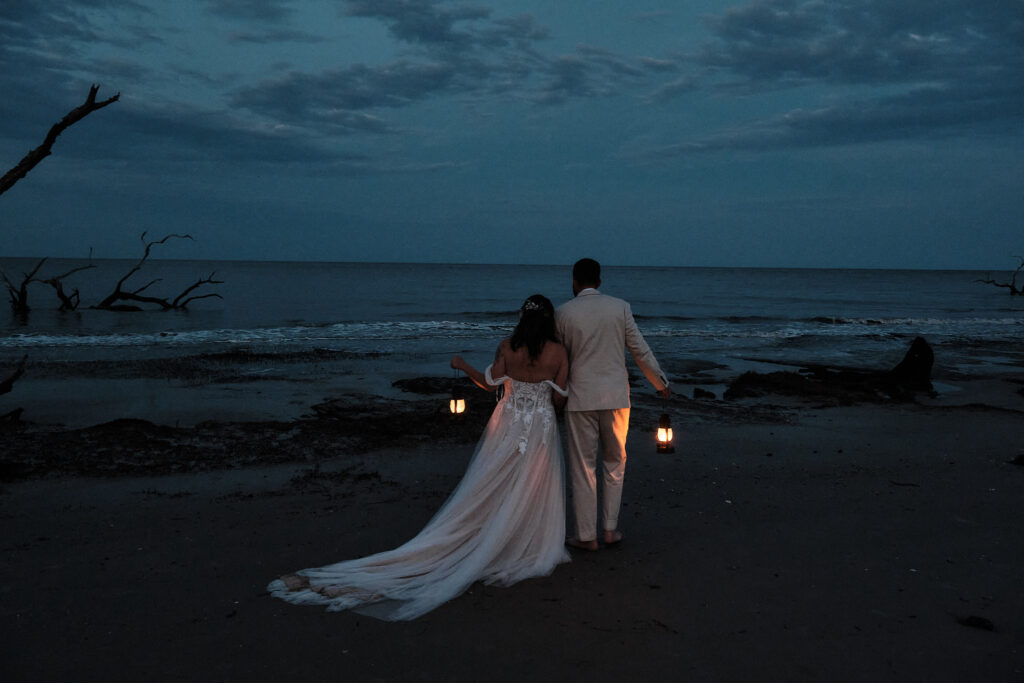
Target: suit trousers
x,y
585,429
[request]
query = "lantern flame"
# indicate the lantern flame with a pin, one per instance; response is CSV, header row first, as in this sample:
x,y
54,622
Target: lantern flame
x,y
664,435
457,406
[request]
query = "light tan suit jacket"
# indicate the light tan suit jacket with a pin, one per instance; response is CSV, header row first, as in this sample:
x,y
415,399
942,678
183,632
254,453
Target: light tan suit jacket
x,y
596,330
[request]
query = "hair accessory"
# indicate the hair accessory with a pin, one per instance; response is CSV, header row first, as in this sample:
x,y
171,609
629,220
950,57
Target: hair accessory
x,y
531,306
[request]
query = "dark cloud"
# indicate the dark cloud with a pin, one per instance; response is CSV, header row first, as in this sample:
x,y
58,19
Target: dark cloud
x,y
260,10
303,97
655,64
672,90
865,41
167,134
570,78
521,29
456,50
959,63
868,41
933,112
421,21
609,60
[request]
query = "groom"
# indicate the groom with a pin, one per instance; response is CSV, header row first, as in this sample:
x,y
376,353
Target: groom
x,y
596,330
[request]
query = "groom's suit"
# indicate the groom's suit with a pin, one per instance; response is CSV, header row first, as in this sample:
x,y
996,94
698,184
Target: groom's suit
x,y
596,330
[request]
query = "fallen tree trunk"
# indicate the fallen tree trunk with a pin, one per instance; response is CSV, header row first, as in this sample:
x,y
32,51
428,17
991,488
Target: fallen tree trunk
x,y
844,385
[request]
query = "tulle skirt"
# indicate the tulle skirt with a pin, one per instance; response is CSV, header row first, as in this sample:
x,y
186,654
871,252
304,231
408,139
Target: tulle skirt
x,y
505,522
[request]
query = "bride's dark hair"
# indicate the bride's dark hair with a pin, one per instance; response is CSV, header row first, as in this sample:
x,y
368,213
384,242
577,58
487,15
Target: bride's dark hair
x,y
536,325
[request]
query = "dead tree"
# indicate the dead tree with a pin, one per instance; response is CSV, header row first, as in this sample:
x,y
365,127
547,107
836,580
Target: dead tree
x,y
110,303
68,302
1012,284
42,151
19,293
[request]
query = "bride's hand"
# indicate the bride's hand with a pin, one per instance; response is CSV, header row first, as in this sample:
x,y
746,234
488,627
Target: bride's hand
x,y
458,363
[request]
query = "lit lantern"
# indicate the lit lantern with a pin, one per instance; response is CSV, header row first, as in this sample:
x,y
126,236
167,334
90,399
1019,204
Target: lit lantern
x,y
457,404
665,435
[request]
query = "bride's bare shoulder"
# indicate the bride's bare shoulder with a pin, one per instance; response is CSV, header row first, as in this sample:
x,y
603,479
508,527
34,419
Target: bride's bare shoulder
x,y
554,352
555,347
504,347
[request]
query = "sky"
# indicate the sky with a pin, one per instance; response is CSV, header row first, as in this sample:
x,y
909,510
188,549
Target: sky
x,y
767,133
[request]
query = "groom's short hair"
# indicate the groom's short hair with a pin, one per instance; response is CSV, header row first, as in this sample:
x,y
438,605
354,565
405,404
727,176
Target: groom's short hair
x,y
587,271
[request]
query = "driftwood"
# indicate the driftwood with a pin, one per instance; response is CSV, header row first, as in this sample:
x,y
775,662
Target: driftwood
x,y
42,151
19,293
1015,290
845,385
7,384
136,296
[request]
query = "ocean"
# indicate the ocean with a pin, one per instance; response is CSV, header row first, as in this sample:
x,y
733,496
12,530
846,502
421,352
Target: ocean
x,y
407,319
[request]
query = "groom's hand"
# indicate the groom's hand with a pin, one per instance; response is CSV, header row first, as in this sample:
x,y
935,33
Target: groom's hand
x,y
666,392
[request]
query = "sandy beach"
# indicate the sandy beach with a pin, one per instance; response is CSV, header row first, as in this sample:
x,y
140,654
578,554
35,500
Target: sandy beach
x,y
786,539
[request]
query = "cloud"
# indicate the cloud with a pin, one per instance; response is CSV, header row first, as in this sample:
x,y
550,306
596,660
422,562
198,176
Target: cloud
x,y
457,50
655,64
301,97
672,90
420,21
864,41
570,77
941,67
931,112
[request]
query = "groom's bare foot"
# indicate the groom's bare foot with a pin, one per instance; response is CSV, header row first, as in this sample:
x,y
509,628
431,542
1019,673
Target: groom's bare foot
x,y
582,545
612,537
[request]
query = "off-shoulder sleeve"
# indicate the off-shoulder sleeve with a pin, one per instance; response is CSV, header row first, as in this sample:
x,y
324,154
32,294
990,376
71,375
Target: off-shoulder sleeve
x,y
492,381
558,389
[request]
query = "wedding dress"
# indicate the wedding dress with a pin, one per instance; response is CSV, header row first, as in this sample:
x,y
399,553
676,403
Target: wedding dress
x,y
504,522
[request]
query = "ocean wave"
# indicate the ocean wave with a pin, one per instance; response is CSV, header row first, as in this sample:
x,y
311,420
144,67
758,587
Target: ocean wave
x,y
931,322
383,333
300,334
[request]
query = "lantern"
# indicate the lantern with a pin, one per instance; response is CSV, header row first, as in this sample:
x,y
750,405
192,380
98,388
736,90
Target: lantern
x,y
457,404
665,435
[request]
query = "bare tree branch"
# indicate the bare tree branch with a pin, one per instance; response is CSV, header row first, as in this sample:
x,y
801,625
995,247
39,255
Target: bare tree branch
x,y
145,255
42,151
186,302
136,296
1012,284
178,303
147,285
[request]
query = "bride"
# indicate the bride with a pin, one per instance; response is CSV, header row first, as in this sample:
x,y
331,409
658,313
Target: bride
x,y
504,522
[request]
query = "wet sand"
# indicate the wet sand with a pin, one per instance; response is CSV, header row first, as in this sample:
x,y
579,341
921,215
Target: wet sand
x,y
784,540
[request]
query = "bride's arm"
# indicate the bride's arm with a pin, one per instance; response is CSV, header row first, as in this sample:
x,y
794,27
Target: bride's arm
x,y
497,369
459,363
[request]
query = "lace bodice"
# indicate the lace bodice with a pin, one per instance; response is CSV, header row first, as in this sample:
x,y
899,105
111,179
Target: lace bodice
x,y
526,401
